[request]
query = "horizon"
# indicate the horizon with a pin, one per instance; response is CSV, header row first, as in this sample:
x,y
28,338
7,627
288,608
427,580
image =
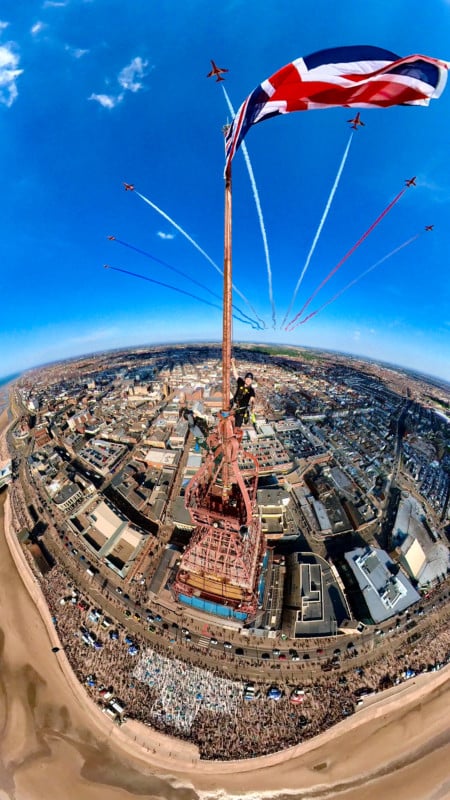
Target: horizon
x,y
5,379
84,113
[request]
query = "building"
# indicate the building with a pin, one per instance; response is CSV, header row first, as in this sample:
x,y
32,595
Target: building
x,y
68,498
110,536
272,505
178,436
274,591
158,458
269,452
423,557
314,603
412,557
102,455
386,591
222,570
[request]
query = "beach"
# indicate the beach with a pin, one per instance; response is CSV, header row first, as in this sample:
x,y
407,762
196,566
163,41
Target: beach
x,y
3,426
53,735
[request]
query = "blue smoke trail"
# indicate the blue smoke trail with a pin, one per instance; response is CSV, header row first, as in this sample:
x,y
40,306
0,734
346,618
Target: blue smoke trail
x,y
175,289
197,247
180,272
356,280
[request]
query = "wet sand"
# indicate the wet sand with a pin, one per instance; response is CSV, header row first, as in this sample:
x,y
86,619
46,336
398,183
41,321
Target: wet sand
x,y
54,742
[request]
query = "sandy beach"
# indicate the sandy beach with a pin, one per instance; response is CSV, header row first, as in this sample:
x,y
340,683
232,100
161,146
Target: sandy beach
x,y
3,427
52,734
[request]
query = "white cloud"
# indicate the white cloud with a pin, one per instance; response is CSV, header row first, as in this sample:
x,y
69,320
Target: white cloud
x,y
76,52
440,191
54,4
3,25
163,235
37,28
107,100
9,62
356,336
127,77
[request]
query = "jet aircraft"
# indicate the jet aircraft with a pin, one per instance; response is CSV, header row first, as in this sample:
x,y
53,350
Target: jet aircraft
x,y
429,227
129,187
411,181
111,238
356,121
216,71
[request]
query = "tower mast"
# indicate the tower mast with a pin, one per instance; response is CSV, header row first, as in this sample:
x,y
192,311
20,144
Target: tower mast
x,y
220,568
227,296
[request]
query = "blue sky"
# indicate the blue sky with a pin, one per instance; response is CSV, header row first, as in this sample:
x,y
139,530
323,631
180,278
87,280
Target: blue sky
x,y
96,93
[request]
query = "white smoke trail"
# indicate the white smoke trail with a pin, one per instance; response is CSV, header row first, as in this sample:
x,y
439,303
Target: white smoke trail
x,y
258,211
197,247
178,228
356,280
319,229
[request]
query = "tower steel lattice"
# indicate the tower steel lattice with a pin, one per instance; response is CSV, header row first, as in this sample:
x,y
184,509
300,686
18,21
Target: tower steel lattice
x,y
220,568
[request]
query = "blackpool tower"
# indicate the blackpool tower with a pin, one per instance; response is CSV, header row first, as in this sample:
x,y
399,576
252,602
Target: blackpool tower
x,y
220,571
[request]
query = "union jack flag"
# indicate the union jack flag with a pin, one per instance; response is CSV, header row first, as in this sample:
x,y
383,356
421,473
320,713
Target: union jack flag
x,y
358,76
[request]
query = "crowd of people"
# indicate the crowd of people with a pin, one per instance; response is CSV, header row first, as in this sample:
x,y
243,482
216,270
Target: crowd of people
x,y
4,450
20,517
184,689
191,699
203,705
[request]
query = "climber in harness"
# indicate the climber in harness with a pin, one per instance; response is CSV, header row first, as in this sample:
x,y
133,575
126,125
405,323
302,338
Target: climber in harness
x,y
244,397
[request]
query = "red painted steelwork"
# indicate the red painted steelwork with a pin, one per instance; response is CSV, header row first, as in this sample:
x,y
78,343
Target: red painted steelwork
x,y
221,562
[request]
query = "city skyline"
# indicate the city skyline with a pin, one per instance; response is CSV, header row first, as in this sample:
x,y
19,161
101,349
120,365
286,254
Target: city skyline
x,y
90,100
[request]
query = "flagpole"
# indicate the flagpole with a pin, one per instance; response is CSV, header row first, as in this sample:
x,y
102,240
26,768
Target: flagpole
x,y
227,296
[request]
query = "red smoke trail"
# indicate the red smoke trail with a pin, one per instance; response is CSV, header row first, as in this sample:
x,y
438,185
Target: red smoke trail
x,y
356,280
347,255
319,229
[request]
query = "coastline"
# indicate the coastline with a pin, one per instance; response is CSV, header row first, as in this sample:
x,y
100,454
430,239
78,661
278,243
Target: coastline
x,y
3,428
338,762
5,384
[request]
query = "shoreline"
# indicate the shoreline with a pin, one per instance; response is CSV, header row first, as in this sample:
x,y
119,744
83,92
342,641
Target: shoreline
x,y
283,772
176,759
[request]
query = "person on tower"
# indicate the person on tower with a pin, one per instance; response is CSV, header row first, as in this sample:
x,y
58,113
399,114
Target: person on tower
x,y
244,397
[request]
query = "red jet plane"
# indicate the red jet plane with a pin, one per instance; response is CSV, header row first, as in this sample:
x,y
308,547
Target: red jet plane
x,y
356,121
129,187
411,181
216,71
111,238
429,227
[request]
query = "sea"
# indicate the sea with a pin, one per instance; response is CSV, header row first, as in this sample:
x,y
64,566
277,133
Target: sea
x,y
4,389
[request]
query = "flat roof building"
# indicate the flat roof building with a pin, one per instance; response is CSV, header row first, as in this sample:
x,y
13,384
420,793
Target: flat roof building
x,y
110,536
156,457
386,591
314,603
